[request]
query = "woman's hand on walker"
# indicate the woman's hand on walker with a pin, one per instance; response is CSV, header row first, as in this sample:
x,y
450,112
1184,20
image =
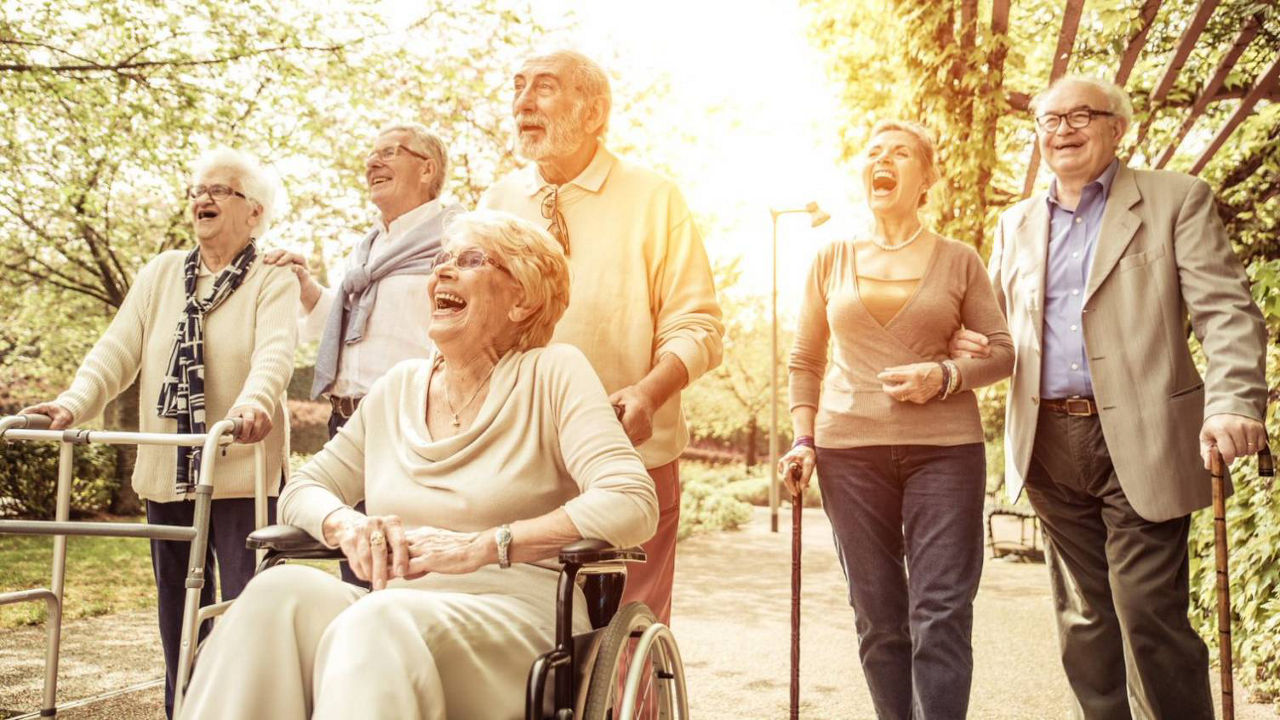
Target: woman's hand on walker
x,y
375,546
804,458
60,416
916,383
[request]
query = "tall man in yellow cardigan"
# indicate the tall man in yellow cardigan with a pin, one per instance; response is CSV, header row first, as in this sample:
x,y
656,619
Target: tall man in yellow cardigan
x,y
642,305
1106,412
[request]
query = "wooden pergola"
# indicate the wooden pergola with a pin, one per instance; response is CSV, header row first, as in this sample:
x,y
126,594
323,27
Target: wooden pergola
x,y
1265,86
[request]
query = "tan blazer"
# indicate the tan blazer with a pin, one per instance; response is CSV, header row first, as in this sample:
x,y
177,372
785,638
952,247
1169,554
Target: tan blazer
x,y
1162,256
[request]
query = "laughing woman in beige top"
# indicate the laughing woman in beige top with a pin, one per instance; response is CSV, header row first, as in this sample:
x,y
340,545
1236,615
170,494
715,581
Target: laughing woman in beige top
x,y
476,466
892,426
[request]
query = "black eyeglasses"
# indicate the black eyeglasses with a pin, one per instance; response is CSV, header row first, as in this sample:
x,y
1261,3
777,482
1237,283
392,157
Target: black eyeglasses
x,y
217,192
468,259
551,211
386,153
1077,119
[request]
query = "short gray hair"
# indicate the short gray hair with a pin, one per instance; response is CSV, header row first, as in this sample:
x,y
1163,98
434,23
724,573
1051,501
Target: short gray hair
x,y
425,142
260,186
588,78
1117,99
534,259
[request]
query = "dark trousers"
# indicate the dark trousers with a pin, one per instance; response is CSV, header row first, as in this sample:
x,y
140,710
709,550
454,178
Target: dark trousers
x,y
916,507
336,422
230,522
1119,583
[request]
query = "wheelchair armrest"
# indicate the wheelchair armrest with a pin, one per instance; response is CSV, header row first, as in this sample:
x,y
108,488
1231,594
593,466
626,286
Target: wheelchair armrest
x,y
289,540
585,552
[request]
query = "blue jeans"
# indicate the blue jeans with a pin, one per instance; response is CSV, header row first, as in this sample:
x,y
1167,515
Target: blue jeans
x,y
894,507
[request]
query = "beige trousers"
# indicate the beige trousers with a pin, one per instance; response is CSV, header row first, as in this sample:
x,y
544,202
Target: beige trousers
x,y
300,643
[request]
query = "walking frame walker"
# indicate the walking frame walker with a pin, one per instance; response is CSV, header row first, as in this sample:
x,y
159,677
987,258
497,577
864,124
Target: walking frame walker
x,y
220,435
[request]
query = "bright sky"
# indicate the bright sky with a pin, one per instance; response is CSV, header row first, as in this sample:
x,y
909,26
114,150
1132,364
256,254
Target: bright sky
x,y
746,84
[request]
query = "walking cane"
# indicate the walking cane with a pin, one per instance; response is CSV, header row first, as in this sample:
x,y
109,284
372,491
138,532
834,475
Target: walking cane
x,y
1266,468
797,508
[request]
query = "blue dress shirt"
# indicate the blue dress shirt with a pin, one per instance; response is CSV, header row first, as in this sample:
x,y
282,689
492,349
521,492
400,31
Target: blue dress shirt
x,y
1073,237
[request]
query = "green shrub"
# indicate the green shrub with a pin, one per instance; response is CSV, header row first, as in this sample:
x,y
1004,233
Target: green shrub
x,y
29,478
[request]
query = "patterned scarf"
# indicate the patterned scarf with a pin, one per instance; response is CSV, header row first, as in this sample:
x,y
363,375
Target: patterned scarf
x,y
182,394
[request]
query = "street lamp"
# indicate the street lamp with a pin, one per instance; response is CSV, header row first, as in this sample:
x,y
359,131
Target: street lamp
x,y
817,217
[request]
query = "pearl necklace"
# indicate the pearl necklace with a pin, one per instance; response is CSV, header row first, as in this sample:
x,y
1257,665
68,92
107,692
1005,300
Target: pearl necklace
x,y
449,401
894,248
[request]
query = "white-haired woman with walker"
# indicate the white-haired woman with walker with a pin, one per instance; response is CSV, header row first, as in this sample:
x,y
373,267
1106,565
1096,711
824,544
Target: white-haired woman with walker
x,y
206,333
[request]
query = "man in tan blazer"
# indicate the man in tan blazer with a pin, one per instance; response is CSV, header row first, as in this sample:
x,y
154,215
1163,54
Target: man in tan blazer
x,y
1109,425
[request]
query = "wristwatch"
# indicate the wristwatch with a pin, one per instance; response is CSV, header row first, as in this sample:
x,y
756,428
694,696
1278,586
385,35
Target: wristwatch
x,y
503,537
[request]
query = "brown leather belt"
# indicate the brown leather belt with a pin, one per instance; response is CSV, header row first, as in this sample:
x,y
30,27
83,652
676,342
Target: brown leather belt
x,y
1074,406
344,407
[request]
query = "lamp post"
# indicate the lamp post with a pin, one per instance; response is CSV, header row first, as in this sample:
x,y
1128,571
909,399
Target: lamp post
x,y
817,217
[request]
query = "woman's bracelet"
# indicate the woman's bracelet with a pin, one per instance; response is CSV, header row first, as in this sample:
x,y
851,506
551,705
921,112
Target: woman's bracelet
x,y
954,387
804,441
946,382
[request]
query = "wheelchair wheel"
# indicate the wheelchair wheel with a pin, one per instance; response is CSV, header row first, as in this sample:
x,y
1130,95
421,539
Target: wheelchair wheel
x,y
637,671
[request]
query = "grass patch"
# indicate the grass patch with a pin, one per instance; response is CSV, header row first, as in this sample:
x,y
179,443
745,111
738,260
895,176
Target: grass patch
x,y
104,575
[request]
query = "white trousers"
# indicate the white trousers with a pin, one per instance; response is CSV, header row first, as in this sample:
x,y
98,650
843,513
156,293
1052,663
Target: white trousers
x,y
300,643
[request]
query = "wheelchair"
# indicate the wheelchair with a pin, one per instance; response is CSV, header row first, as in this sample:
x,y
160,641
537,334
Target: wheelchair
x,y
628,666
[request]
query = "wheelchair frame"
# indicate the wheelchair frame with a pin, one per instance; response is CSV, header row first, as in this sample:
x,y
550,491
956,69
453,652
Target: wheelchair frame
x,y
220,435
573,666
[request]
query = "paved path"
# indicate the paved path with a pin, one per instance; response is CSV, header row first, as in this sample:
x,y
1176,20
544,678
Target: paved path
x,y
732,618
732,615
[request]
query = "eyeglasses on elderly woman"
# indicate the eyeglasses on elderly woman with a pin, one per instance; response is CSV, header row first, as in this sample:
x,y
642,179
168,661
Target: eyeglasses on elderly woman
x,y
217,192
468,259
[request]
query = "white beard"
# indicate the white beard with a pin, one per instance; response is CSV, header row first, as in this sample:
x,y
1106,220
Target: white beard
x,y
558,139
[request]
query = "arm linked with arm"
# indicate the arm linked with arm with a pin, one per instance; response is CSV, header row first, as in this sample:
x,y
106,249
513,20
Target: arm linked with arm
x,y
981,311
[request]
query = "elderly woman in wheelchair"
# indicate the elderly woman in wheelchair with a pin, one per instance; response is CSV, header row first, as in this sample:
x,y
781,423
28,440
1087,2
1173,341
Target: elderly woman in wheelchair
x,y
476,467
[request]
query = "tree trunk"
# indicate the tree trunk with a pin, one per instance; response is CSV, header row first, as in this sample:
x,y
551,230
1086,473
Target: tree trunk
x,y
753,437
122,414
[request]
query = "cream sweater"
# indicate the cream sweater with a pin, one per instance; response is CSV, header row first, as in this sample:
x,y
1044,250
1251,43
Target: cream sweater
x,y
545,437
248,356
854,411
641,281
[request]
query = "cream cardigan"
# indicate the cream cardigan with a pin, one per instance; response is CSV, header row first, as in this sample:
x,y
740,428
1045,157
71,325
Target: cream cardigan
x,y
248,360
545,437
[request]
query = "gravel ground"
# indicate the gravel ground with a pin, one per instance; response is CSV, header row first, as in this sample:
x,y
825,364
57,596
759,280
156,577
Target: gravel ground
x,y
732,617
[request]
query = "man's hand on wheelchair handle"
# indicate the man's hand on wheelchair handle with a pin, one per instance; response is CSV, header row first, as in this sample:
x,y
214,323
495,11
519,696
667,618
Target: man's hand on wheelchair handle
x,y
968,344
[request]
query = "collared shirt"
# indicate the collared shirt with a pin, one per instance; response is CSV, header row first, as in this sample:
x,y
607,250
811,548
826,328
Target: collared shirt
x,y
397,327
1073,237
641,281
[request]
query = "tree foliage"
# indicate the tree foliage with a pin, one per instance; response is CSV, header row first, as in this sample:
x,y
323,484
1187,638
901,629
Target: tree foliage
x,y
108,104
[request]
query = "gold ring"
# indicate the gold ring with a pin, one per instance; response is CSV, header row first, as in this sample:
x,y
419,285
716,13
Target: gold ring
x,y
377,539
